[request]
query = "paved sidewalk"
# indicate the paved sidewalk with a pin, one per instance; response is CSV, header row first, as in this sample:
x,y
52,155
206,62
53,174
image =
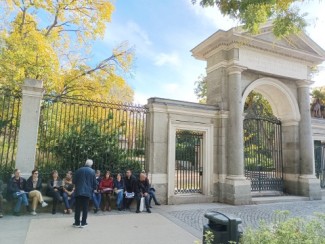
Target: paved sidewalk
x,y
167,224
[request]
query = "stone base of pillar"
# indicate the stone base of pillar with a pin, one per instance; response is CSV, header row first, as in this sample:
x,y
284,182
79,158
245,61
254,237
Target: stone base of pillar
x,y
235,190
309,186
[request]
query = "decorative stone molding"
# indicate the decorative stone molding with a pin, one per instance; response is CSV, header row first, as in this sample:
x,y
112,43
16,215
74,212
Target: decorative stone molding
x,y
235,69
304,83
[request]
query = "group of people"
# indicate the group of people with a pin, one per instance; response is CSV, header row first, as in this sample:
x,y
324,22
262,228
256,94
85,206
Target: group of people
x,y
74,187
21,189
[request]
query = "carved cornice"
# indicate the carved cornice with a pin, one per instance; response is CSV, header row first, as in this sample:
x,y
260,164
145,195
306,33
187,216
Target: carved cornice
x,y
304,83
235,69
222,40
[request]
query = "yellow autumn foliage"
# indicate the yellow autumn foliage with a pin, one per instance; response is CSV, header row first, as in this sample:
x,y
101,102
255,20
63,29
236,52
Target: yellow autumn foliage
x,y
50,41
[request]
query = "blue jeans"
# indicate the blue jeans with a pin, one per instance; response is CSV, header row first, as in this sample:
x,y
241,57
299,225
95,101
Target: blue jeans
x,y
97,198
119,198
152,196
21,199
68,203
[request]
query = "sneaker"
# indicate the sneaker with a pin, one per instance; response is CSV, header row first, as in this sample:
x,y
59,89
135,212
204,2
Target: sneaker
x,y
138,211
33,213
148,210
157,203
53,211
83,225
76,225
44,204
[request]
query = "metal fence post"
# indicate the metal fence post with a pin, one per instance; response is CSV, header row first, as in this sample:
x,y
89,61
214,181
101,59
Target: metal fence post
x,y
32,92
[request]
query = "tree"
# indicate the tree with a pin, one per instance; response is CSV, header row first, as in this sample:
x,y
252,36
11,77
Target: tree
x,y
51,41
201,89
285,15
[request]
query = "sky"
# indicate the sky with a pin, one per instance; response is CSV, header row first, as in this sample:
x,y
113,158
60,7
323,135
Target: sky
x,y
162,34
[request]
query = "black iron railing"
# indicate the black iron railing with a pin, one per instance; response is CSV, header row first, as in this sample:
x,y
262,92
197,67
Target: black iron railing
x,y
10,106
263,153
72,130
188,162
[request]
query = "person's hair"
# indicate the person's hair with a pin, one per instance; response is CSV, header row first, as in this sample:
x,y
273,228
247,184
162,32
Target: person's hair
x,y
97,171
53,172
89,162
119,174
107,172
34,170
129,170
15,170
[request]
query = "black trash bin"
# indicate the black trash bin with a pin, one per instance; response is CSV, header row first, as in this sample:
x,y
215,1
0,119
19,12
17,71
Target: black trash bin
x,y
224,228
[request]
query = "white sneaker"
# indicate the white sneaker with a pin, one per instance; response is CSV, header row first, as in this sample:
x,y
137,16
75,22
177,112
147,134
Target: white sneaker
x,y
44,204
33,213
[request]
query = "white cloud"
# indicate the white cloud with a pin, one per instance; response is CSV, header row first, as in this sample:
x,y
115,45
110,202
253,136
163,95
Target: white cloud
x,y
140,98
171,87
130,31
165,58
213,15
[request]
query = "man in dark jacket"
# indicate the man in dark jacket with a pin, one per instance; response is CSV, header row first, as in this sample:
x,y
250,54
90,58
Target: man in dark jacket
x,y
17,190
143,191
85,184
130,184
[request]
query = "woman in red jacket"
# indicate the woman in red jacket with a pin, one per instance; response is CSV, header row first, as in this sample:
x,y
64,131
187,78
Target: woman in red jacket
x,y
106,187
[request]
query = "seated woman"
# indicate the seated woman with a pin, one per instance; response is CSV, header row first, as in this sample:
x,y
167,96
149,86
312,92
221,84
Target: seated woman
x,y
68,192
106,188
97,196
119,191
54,189
34,187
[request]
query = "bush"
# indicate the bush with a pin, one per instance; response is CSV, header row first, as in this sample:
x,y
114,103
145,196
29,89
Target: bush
x,y
288,230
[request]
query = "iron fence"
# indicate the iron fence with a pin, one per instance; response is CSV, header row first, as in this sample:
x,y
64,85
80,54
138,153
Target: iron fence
x,y
10,109
72,130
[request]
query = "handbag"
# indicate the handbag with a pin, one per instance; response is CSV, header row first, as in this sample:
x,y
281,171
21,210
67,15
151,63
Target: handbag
x,y
141,204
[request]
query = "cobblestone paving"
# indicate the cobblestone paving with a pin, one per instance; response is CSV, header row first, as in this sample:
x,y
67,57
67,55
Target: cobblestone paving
x,y
251,215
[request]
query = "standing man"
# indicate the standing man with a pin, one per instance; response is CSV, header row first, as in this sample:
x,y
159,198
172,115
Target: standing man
x,y
85,184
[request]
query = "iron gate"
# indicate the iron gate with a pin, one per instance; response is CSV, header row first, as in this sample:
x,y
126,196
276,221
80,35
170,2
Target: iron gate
x,y
263,153
188,162
319,148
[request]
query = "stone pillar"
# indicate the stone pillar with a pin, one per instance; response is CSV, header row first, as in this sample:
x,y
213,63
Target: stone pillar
x,y
237,188
157,148
32,91
308,184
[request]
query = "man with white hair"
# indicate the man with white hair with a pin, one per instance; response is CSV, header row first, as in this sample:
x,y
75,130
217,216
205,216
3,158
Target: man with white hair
x,y
85,184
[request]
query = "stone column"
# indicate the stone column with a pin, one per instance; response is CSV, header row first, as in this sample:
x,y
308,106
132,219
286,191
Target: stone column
x,y
237,188
32,91
308,184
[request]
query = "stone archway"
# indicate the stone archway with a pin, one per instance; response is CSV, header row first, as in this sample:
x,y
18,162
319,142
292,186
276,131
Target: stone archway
x,y
285,107
284,104
237,63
